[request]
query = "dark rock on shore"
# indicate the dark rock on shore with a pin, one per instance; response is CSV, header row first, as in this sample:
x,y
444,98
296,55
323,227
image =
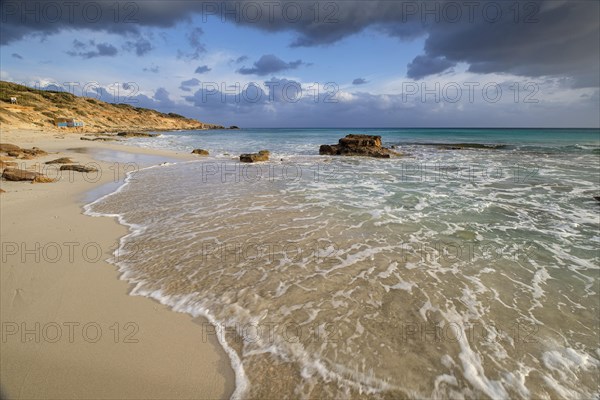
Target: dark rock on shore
x,y
358,145
136,134
234,127
16,175
62,160
200,152
77,168
262,155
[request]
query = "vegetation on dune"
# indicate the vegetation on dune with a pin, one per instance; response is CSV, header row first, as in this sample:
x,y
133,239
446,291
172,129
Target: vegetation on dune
x,y
41,107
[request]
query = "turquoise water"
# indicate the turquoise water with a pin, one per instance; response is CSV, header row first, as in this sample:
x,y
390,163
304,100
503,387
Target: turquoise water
x,y
307,141
443,273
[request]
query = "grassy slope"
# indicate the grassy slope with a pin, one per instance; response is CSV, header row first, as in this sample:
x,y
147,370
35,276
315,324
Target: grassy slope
x,y
36,109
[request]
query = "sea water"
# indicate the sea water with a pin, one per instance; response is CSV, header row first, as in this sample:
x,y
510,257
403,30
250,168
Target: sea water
x,y
449,272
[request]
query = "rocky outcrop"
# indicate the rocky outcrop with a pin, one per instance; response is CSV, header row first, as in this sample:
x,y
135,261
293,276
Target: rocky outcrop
x,y
15,174
262,155
136,134
62,160
358,145
200,152
77,168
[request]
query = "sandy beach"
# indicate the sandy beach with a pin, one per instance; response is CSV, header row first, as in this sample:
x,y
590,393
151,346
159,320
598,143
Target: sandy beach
x,y
70,329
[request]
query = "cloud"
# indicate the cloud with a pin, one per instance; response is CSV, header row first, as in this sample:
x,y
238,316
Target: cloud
x,y
423,66
17,56
189,84
92,50
194,41
270,64
202,69
359,81
141,46
241,59
545,38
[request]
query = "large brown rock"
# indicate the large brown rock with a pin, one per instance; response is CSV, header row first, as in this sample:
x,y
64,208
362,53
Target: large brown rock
x,y
6,147
262,155
78,168
35,152
200,152
357,145
15,174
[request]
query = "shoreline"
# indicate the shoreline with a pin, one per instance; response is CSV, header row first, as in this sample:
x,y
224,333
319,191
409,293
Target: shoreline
x,y
70,328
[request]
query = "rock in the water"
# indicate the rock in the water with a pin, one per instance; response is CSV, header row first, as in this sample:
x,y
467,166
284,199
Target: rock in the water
x,y
357,145
200,152
6,147
234,127
262,155
135,134
77,168
15,174
62,160
597,198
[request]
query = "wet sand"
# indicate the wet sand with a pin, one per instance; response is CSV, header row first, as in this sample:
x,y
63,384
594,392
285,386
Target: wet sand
x,y
70,329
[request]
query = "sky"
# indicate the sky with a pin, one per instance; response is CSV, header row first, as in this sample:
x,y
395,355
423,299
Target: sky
x,y
280,63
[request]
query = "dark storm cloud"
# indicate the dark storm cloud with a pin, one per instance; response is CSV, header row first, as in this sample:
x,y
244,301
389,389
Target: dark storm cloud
x,y
189,84
423,66
92,50
140,46
202,69
269,64
359,81
533,38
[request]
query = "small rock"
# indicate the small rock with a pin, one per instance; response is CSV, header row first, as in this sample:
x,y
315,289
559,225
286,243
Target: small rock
x,y
62,160
2,191
77,168
597,198
262,155
200,152
233,127
42,179
15,153
35,152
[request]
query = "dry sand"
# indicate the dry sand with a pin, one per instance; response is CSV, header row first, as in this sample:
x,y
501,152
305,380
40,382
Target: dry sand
x,y
55,300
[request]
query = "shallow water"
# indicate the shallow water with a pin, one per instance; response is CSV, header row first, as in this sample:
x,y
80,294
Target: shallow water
x,y
445,273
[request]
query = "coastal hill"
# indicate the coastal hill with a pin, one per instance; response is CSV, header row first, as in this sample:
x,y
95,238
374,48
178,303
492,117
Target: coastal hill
x,y
38,109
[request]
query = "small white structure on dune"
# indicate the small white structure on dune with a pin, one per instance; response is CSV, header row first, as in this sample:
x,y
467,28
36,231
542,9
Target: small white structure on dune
x,y
13,100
